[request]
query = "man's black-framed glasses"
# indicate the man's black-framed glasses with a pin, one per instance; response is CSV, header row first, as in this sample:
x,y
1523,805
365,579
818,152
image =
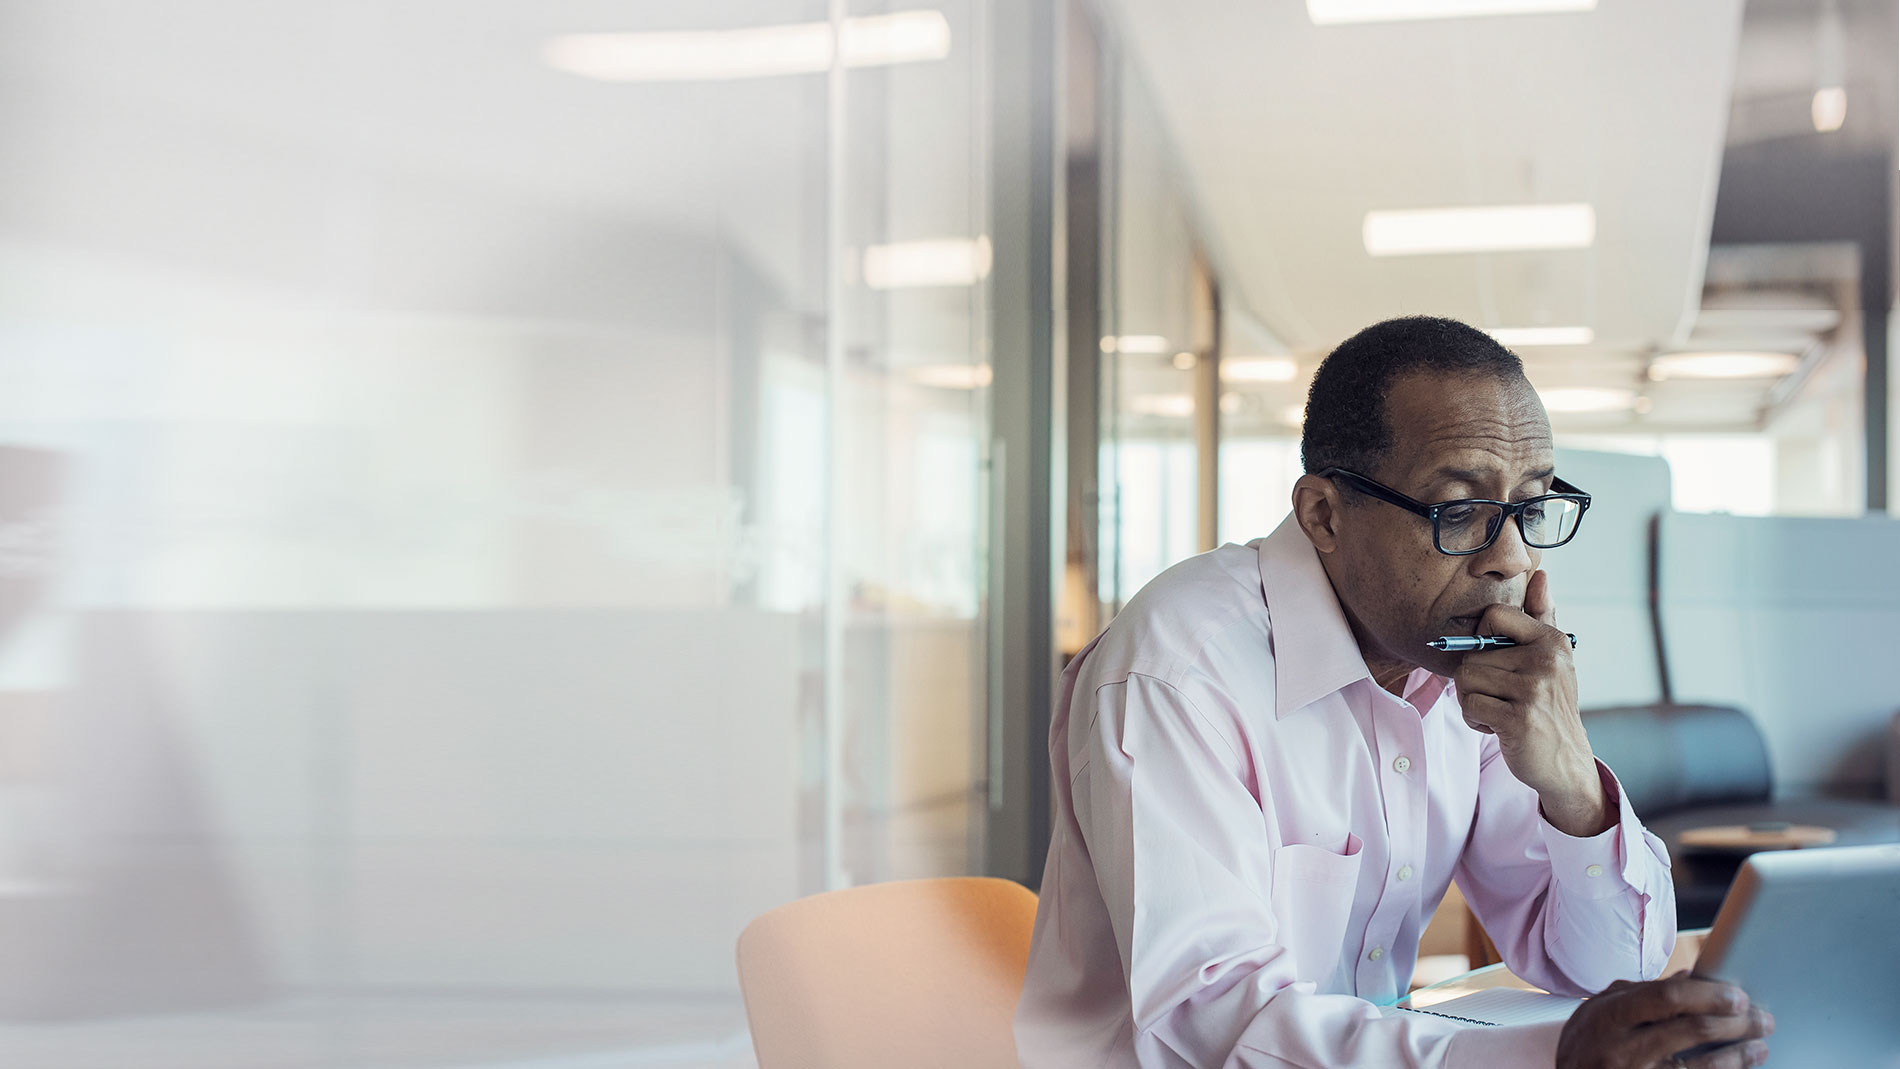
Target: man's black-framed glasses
x,y
1469,525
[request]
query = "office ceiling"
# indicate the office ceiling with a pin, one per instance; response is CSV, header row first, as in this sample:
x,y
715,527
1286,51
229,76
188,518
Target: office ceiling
x,y
1290,133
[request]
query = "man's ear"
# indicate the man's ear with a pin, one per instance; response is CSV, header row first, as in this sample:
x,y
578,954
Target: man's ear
x,y
1317,506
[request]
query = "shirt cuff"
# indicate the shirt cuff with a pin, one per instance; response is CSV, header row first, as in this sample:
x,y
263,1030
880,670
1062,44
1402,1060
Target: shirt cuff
x,y
1601,865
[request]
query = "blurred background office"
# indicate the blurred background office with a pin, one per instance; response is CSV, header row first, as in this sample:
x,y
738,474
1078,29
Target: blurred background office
x,y
499,493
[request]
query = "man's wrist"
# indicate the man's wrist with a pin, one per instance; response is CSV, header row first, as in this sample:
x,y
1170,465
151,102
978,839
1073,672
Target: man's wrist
x,y
1581,811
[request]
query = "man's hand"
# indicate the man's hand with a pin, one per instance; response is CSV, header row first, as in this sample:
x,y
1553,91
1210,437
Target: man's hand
x,y
1526,695
1653,1025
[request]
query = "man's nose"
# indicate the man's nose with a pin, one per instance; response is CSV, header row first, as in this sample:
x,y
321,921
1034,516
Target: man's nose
x,y
1507,557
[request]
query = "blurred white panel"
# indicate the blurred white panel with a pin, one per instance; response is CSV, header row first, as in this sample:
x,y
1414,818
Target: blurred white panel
x,y
1600,579
1752,619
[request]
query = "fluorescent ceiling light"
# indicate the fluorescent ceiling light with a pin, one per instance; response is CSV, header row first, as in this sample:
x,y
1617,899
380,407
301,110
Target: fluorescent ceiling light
x,y
1172,405
1142,344
951,376
1829,109
1532,337
1812,320
1259,369
1334,12
1485,229
913,264
1587,399
753,52
1295,414
1723,365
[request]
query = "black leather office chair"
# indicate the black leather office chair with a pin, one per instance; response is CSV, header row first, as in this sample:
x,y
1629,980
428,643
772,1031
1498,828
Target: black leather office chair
x,y
1692,766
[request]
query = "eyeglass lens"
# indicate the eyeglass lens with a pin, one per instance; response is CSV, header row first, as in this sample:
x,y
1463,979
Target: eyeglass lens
x,y
1545,522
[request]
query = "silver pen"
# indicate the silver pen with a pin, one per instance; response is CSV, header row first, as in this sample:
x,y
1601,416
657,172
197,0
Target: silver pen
x,y
1473,643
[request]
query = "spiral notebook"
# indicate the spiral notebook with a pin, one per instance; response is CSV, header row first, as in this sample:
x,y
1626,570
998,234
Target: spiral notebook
x,y
1504,1005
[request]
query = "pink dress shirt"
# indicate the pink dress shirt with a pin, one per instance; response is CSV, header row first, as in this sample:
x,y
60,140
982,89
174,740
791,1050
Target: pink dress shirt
x,y
1251,834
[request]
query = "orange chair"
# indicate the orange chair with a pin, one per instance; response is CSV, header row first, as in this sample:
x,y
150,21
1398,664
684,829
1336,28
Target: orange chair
x,y
913,973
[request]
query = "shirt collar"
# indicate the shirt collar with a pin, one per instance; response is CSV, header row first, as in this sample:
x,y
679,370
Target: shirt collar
x,y
1314,653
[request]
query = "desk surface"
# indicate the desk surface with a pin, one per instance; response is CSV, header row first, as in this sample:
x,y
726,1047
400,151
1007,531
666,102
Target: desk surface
x,y
1688,945
1745,839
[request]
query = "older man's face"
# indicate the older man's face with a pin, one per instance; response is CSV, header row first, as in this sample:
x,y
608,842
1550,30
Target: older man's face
x,y
1453,437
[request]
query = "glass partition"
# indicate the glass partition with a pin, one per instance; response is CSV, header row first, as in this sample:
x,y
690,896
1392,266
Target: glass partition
x,y
492,509
1151,346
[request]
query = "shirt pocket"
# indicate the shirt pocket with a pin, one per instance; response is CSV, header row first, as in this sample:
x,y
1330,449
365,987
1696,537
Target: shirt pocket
x,y
1313,890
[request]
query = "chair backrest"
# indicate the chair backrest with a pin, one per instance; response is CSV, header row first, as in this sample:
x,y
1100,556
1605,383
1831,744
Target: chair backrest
x,y
1669,757
913,973
1893,759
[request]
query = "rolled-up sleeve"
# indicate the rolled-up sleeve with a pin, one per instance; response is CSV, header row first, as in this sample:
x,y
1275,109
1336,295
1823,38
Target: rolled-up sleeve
x,y
1571,915
1184,863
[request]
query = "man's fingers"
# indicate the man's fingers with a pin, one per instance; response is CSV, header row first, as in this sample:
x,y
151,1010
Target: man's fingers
x,y
1509,658
1679,996
1745,1046
1664,1040
1739,1056
1479,678
1483,712
1655,1024
1537,600
1515,624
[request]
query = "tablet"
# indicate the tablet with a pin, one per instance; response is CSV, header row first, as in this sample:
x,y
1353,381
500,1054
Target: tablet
x,y
1813,936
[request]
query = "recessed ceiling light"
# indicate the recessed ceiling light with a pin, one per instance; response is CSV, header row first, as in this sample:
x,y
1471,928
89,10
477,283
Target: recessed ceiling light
x,y
1259,369
913,264
1496,228
1172,405
1829,109
1185,361
1532,337
1140,344
951,376
1334,12
1723,365
1294,414
1231,403
753,52
1587,399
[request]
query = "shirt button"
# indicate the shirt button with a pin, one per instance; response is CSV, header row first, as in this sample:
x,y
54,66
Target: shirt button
x,y
1593,871
1402,765
1405,872
1377,953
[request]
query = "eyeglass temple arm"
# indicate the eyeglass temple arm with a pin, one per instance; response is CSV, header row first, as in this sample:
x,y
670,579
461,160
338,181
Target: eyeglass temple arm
x,y
1383,493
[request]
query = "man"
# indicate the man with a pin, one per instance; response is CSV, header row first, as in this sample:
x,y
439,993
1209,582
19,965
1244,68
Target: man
x,y
1267,779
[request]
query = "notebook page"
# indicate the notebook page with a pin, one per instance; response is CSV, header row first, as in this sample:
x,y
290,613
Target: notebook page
x,y
1505,1005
